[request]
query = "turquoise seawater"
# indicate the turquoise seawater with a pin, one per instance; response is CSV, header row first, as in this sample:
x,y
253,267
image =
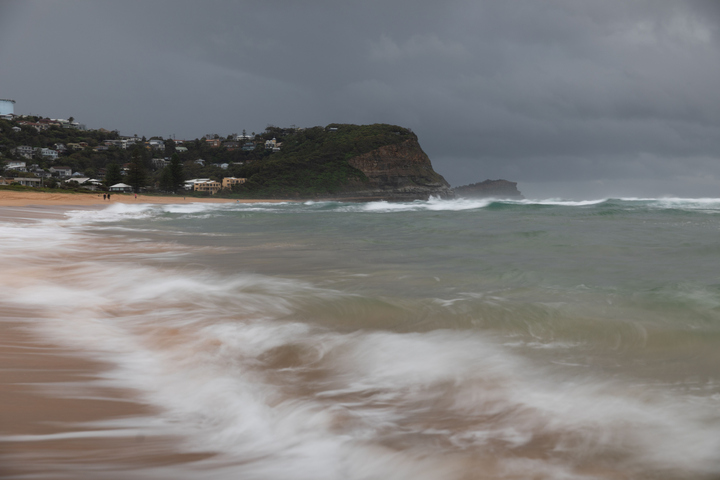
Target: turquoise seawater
x,y
441,339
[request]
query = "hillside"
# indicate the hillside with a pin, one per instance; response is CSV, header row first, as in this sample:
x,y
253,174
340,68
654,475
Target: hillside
x,y
341,160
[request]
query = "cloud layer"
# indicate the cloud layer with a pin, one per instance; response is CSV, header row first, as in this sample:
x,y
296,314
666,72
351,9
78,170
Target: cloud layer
x,y
568,98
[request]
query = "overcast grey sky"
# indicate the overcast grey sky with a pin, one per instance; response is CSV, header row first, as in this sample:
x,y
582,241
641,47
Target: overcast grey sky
x,y
569,98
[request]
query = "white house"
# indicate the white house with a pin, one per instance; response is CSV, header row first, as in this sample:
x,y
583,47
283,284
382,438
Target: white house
x,y
159,162
190,184
78,180
17,166
121,143
48,153
28,182
86,182
121,187
156,144
62,171
24,150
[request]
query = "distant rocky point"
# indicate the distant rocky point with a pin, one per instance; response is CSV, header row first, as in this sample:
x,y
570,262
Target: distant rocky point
x,y
489,188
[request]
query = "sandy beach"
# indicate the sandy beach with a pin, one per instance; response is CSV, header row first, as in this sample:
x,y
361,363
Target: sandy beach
x,y
9,198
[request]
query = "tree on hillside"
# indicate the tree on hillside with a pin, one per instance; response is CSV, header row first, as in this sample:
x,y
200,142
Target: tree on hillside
x,y
169,146
176,173
137,175
166,180
113,175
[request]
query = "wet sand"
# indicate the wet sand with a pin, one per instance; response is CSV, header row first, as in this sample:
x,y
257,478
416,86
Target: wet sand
x,y
9,198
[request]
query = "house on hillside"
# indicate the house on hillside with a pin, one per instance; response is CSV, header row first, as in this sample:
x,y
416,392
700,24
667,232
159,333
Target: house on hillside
x,y
37,126
121,187
24,151
210,186
156,144
17,166
28,181
228,182
86,182
273,145
61,171
49,122
47,153
214,142
190,184
159,162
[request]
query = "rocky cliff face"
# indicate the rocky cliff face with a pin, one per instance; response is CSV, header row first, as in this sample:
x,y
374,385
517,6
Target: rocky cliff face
x,y
397,172
489,188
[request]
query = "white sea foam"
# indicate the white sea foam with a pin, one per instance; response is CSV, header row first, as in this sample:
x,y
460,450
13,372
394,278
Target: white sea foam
x,y
561,202
433,204
120,212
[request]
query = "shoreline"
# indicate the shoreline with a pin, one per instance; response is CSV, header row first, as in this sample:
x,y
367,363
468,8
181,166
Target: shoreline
x,y
10,198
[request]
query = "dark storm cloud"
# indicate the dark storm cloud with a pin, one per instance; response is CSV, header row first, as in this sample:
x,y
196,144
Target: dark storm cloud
x,y
562,96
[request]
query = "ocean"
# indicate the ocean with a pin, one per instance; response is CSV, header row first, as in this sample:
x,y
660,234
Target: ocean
x,y
440,339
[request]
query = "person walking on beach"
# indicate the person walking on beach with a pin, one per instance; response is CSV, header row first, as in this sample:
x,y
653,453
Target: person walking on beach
x,y
108,196
104,196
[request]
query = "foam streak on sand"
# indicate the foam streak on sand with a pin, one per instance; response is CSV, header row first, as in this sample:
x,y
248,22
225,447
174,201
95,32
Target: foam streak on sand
x,y
115,366
60,417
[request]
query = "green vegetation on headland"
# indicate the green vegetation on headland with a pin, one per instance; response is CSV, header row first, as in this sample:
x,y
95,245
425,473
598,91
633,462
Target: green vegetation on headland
x,y
314,161
277,163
